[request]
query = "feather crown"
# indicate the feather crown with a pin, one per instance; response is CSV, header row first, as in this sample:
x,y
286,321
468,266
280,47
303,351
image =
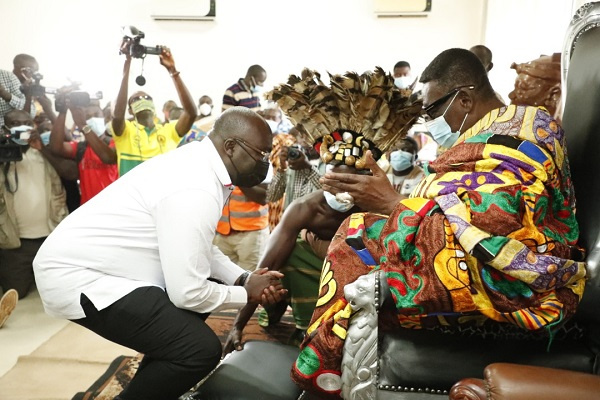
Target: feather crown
x,y
351,115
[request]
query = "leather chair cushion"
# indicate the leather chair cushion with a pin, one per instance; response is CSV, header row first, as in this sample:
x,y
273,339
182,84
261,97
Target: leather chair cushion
x,y
260,371
430,359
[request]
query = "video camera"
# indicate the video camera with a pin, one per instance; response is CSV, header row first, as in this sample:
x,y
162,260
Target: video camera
x,y
76,97
138,50
9,150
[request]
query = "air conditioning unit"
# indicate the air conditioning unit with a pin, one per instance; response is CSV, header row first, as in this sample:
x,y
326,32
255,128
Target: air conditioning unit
x,y
402,8
182,10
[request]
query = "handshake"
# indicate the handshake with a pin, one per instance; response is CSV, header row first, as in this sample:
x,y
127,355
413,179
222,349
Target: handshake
x,y
263,286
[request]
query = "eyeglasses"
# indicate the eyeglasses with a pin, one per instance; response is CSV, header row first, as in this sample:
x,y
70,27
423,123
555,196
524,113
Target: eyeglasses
x,y
265,154
427,111
140,97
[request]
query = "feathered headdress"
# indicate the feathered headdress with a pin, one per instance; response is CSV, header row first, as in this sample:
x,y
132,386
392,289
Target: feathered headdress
x,y
355,113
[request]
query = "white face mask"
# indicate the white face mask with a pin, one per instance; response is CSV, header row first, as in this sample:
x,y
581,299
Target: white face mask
x,y
403,82
20,134
273,125
441,131
205,109
97,124
336,204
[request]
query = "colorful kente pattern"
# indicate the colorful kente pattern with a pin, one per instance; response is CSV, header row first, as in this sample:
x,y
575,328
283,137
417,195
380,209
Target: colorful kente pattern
x,y
488,233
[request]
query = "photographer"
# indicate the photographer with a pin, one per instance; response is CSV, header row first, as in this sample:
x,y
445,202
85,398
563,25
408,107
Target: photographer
x,y
26,67
145,137
11,97
295,177
96,156
34,199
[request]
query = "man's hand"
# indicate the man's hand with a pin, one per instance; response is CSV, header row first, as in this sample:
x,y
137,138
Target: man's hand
x,y
125,47
264,287
78,114
166,59
370,192
234,341
283,159
35,141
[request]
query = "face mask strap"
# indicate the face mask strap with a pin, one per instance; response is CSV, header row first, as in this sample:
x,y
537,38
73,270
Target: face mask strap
x,y
447,108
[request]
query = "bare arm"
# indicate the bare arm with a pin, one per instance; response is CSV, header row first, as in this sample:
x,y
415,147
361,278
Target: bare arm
x,y
66,169
118,121
57,145
187,118
279,247
104,152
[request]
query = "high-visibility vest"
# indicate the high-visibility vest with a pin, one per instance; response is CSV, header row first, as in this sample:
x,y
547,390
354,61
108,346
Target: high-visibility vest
x,y
241,214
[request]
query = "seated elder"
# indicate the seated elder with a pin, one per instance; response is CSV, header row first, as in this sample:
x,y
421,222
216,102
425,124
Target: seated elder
x,y
490,233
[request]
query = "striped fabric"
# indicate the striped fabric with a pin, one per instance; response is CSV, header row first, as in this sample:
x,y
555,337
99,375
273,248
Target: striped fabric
x,y
239,94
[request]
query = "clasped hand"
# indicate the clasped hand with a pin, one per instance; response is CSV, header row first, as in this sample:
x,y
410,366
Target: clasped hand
x,y
265,287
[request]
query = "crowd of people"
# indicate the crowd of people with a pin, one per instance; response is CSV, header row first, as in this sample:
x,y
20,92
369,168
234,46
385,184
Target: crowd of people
x,y
291,198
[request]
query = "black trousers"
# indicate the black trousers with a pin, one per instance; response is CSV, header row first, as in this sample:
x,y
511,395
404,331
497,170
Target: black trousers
x,y
179,348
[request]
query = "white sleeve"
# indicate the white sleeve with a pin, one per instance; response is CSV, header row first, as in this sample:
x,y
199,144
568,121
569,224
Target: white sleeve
x,y
185,224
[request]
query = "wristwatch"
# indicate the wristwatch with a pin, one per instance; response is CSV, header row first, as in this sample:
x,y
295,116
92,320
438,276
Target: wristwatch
x,y
86,129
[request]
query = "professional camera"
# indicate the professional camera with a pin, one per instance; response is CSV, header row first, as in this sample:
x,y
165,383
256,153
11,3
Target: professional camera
x,y
138,50
77,98
9,150
295,151
36,89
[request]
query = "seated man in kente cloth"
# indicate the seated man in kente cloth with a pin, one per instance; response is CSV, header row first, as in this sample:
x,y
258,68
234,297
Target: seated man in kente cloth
x,y
489,234
298,244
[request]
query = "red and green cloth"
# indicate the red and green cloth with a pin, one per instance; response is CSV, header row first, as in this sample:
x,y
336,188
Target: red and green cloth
x,y
488,234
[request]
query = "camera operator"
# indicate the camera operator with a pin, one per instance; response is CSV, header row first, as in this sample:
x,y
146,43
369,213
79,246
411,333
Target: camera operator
x,y
26,67
145,137
96,156
34,200
11,96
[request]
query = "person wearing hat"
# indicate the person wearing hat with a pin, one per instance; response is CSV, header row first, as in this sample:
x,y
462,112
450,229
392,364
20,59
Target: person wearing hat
x,y
145,137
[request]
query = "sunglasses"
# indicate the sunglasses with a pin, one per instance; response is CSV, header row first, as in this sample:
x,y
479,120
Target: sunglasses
x,y
427,111
140,97
265,154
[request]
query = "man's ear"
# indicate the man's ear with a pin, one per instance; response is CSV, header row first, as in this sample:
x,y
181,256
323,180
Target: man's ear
x,y
490,67
228,145
130,111
465,100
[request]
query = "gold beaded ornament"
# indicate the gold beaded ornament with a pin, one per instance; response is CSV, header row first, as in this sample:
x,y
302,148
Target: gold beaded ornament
x,y
351,115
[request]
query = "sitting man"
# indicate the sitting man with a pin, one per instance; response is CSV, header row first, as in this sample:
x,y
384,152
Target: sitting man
x,y
299,243
490,233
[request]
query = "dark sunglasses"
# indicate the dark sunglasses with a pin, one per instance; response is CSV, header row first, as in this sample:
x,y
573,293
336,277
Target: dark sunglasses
x,y
140,97
445,98
265,154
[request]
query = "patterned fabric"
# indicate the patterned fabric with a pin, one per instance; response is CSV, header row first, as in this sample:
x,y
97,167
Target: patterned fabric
x,y
280,142
17,101
137,143
239,94
489,234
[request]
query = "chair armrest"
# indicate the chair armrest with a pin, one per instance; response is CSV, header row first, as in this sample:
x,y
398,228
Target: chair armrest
x,y
505,381
468,389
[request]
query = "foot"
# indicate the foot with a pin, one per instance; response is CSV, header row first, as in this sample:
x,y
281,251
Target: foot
x,y
8,302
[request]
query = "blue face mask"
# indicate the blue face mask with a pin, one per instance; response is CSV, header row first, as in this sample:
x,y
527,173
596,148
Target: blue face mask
x,y
45,137
441,132
401,160
97,125
336,204
256,89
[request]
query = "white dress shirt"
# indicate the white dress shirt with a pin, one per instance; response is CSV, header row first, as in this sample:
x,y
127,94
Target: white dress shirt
x,y
154,226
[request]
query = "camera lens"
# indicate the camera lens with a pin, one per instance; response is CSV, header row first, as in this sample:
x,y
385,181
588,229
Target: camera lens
x,y
293,153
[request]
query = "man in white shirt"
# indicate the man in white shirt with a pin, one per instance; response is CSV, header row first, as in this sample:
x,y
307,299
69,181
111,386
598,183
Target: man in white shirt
x,y
133,263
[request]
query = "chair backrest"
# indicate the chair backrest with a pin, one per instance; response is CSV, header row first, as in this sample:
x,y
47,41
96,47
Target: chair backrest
x,y
581,122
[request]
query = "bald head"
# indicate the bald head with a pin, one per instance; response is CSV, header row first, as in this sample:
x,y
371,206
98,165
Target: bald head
x,y
485,56
240,122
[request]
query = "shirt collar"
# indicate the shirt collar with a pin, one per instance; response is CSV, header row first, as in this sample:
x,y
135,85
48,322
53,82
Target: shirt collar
x,y
217,163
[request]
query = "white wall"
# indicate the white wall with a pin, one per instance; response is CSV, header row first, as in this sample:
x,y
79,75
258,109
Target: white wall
x,y
79,39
